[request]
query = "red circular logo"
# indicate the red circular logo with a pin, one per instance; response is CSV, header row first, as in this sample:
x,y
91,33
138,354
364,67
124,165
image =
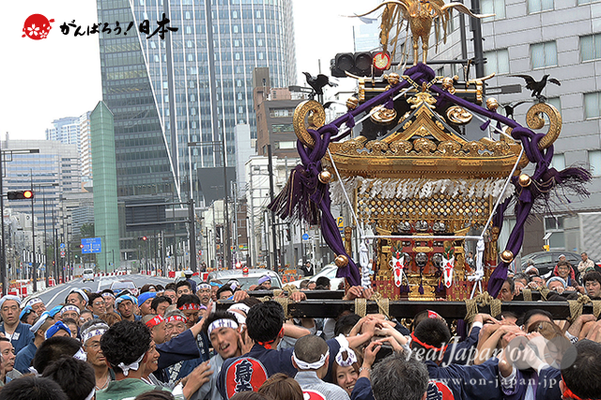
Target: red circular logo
x,y
313,395
36,27
245,374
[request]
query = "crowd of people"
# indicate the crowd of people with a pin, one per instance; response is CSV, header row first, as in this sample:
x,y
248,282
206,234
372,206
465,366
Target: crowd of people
x,y
564,282
173,342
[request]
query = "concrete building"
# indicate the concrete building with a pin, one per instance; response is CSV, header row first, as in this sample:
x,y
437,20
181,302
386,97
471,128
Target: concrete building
x,y
560,38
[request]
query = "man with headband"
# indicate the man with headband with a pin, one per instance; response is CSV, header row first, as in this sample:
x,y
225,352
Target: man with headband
x,y
70,311
265,282
125,345
311,356
144,303
109,300
157,325
91,332
58,329
37,305
265,326
78,298
126,306
204,293
25,356
223,330
17,332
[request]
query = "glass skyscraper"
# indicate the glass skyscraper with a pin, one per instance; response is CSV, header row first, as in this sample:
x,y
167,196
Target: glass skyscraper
x,y
164,94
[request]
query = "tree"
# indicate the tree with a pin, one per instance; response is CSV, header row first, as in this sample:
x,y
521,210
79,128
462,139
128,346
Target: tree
x,y
87,230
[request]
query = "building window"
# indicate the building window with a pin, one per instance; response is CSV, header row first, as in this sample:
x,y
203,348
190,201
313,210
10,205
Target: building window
x,y
190,57
260,42
189,43
558,162
592,108
261,55
285,145
554,225
235,28
237,56
234,14
590,47
281,112
258,13
543,54
259,28
539,5
236,43
496,7
187,15
282,128
188,29
496,62
594,161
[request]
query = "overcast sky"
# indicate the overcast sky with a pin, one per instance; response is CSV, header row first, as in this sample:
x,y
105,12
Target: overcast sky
x,y
60,76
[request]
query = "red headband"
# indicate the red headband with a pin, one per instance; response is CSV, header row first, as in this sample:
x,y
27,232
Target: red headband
x,y
433,314
174,318
267,345
428,346
155,321
568,394
190,306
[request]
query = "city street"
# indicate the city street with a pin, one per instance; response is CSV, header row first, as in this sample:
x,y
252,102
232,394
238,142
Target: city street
x,y
57,294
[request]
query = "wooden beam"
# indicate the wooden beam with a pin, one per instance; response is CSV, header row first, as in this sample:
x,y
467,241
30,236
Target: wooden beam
x,y
408,309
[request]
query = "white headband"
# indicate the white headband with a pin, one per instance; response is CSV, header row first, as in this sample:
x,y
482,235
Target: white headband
x,y
92,393
80,292
133,366
351,357
10,297
221,323
32,301
70,308
81,355
239,306
97,331
314,365
38,324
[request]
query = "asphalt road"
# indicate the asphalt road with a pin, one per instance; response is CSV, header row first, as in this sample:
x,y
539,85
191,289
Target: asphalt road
x,y
56,295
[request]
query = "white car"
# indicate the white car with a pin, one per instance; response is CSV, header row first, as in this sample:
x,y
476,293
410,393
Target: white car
x,y
88,275
329,271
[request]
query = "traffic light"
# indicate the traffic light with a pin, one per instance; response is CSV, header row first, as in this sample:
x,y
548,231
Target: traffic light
x,y
143,238
20,195
362,63
81,246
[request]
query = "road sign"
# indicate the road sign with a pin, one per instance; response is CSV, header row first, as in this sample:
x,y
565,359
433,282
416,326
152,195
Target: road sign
x,y
340,224
305,236
62,254
91,245
62,246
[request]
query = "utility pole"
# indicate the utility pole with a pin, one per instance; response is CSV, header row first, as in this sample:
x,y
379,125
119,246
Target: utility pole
x,y
477,33
191,216
271,196
34,273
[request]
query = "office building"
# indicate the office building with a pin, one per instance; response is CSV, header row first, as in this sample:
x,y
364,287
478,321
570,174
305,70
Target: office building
x,y
165,94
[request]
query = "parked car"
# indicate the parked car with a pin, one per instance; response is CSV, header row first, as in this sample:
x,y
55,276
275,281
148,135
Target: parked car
x,y
329,271
246,279
119,286
88,275
545,261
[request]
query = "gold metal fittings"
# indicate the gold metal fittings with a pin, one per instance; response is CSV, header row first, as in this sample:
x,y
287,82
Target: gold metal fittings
x,y
341,261
308,115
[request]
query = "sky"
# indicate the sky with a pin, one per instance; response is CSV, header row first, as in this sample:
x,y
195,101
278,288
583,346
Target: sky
x,y
43,80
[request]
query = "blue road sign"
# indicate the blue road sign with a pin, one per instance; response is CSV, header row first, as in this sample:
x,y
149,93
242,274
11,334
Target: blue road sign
x,y
91,245
305,236
62,246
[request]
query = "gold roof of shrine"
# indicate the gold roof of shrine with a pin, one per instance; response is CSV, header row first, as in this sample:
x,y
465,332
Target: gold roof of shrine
x,y
423,145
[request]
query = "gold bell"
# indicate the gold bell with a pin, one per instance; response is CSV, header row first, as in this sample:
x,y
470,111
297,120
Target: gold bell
x,y
393,78
324,177
352,103
524,180
341,261
507,256
492,104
